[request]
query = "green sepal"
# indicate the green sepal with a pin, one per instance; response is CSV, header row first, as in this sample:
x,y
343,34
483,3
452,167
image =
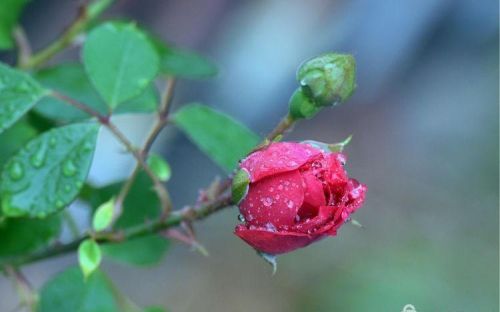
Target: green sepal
x,y
239,188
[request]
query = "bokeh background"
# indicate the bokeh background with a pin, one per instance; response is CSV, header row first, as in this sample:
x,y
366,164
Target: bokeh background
x,y
425,126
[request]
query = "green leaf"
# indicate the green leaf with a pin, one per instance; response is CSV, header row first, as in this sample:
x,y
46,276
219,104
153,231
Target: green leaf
x,y
10,11
183,63
71,80
21,235
18,93
89,257
120,61
140,205
219,136
47,174
68,291
14,138
103,215
160,167
141,251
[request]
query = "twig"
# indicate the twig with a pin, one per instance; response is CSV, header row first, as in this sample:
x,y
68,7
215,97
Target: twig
x,y
86,14
186,214
281,128
23,46
24,289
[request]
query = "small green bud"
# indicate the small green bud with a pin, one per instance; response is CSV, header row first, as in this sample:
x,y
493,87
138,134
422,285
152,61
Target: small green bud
x,y
328,79
301,106
239,188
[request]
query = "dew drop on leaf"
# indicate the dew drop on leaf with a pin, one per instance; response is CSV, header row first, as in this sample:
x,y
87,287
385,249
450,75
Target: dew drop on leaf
x,y
69,168
16,170
37,160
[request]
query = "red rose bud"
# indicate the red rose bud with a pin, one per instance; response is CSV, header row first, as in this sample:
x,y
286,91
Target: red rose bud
x,y
297,194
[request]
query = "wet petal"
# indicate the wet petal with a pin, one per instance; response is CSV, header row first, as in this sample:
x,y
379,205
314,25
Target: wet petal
x,y
278,158
356,193
274,242
314,196
311,225
336,174
274,200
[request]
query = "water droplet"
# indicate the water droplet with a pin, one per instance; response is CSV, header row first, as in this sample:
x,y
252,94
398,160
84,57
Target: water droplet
x,y
241,218
69,168
297,218
16,170
67,188
37,160
290,204
270,227
52,142
267,201
59,203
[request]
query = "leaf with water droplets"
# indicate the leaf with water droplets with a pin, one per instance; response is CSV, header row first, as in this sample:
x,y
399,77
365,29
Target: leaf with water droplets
x,y
120,61
18,93
47,173
223,139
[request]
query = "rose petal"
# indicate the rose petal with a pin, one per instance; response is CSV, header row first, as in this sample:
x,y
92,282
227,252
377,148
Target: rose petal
x,y
356,195
278,158
274,242
274,201
324,216
336,172
314,196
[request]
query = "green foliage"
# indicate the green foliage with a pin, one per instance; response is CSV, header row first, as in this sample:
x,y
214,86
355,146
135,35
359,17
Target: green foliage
x,y
142,251
18,93
239,187
89,257
10,11
223,139
183,63
140,205
68,291
103,216
120,61
160,167
71,80
47,174
21,235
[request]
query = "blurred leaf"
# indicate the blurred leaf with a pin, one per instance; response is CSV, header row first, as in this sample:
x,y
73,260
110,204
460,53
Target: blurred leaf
x,y
14,138
103,215
71,80
226,141
48,172
183,63
140,205
120,61
160,167
89,257
18,93
21,235
10,11
68,291
141,251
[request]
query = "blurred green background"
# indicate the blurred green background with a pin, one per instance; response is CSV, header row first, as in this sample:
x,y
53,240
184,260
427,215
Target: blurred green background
x,y
425,126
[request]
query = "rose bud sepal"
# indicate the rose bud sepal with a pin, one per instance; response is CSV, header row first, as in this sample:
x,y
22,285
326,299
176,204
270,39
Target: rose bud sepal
x,y
239,187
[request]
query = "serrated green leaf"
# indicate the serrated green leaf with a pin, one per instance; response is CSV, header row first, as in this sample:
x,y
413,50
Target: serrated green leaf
x,y
68,291
89,257
141,251
18,93
103,215
48,172
120,61
224,140
10,11
160,167
71,80
21,235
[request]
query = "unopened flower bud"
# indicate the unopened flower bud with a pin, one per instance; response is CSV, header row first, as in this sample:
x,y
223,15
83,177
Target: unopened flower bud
x,y
328,79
